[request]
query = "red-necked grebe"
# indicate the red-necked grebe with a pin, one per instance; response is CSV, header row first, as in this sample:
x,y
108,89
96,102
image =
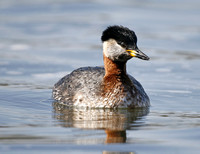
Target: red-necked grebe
x,y
108,87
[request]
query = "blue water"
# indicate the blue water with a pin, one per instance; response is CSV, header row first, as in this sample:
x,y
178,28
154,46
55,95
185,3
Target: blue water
x,y
43,40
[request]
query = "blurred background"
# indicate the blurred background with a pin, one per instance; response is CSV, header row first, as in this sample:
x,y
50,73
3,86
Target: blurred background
x,y
43,40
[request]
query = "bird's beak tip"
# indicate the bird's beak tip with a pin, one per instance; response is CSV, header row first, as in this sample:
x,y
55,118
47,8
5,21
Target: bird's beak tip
x,y
139,54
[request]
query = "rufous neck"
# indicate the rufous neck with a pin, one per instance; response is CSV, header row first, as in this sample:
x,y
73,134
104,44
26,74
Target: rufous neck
x,y
111,67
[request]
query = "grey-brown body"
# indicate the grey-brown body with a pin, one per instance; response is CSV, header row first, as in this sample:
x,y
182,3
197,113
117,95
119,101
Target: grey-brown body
x,y
83,88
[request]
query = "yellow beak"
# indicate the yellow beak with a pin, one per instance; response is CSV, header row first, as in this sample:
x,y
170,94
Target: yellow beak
x,y
132,53
137,53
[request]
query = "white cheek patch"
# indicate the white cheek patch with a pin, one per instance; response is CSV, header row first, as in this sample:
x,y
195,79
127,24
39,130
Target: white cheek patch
x,y
105,48
111,49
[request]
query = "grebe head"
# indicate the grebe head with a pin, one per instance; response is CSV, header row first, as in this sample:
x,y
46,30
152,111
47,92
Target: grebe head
x,y
120,44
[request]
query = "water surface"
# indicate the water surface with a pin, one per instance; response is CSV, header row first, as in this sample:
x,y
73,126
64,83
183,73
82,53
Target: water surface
x,y
42,40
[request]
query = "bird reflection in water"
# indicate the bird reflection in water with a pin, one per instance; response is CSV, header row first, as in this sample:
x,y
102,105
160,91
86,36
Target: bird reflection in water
x,y
115,122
